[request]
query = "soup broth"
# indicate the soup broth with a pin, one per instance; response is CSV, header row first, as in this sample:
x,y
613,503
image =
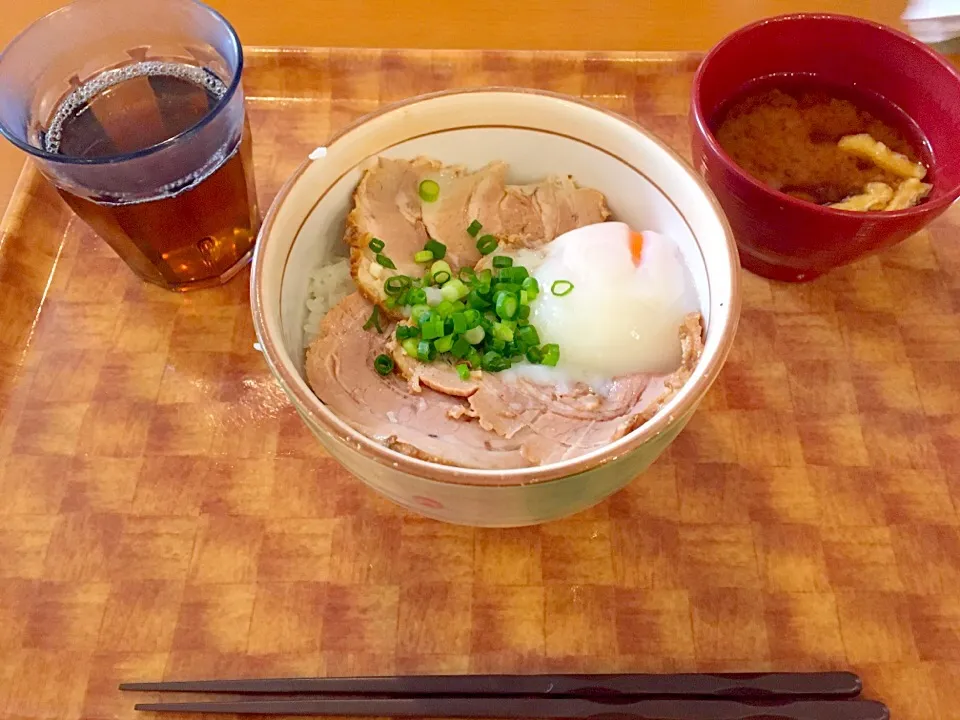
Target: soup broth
x,y
784,130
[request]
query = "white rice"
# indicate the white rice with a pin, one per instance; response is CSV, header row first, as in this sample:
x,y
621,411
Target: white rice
x,y
329,284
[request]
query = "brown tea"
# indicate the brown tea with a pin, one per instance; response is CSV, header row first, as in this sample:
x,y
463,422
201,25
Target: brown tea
x,y
195,232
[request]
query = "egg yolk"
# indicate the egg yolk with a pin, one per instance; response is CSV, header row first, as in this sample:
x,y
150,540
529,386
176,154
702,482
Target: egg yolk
x,y
636,247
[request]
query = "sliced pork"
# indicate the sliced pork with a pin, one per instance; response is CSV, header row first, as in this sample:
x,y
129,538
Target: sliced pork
x,y
550,425
428,425
464,197
439,376
531,215
387,206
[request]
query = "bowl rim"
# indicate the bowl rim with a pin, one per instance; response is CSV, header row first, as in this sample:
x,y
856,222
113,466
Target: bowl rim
x,y
703,126
308,403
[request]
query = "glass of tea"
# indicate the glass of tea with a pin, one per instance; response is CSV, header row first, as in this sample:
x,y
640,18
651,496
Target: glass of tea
x,y
135,112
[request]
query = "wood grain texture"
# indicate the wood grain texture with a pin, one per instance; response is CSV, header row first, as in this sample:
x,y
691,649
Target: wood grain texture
x,y
165,514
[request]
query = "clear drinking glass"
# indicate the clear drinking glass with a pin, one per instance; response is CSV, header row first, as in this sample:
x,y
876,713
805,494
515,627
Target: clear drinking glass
x,y
135,112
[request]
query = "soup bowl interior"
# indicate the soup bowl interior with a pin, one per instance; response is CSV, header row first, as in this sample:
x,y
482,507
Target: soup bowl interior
x,y
538,135
789,239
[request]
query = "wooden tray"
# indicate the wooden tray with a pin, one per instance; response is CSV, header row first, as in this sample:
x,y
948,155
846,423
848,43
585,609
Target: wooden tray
x,y
164,513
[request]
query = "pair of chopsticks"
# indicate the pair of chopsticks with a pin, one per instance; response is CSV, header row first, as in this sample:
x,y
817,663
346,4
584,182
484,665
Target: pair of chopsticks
x,y
738,696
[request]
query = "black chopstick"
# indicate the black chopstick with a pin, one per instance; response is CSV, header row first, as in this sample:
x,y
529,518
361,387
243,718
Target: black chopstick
x,y
504,707
724,685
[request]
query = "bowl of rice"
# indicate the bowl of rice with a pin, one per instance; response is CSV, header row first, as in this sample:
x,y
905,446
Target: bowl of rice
x,y
301,269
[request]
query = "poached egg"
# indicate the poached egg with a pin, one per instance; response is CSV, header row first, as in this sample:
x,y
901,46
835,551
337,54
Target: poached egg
x,y
630,292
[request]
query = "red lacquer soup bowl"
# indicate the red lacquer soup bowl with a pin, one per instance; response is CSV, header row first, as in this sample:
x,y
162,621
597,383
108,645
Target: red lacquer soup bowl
x,y
781,237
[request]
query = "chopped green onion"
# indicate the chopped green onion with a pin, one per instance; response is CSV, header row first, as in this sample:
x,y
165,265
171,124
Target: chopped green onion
x,y
509,287
410,346
431,326
374,320
417,311
561,287
416,296
474,228
461,348
551,354
383,364
474,335
473,319
434,296
487,244
376,244
429,191
440,272
407,331
495,362
426,352
477,302
385,261
503,332
528,335
453,290
438,249
473,358
396,285
513,274
506,305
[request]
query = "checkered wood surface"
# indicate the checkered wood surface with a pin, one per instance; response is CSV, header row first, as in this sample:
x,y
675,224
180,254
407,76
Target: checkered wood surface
x,y
165,514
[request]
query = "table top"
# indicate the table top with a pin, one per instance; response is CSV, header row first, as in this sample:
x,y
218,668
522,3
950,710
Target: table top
x,y
527,24
165,513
